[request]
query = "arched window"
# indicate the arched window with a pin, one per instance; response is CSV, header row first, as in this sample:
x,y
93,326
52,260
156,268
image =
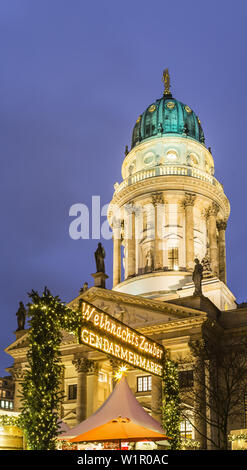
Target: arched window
x,y
173,258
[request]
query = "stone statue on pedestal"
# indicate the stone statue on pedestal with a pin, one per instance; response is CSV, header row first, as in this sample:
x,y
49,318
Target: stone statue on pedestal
x,y
100,276
197,277
21,317
149,261
100,259
84,288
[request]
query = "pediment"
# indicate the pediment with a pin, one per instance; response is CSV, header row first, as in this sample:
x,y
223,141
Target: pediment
x,y
19,343
135,311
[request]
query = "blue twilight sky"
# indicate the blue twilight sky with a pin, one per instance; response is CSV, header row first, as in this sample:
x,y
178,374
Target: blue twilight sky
x,y
75,75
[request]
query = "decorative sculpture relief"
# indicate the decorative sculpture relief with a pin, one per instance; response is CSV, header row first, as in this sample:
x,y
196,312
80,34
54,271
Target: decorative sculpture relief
x,y
189,199
149,261
157,198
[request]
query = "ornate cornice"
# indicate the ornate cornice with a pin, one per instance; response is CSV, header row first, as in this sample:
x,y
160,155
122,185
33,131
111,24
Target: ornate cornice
x,y
221,225
213,210
17,372
177,325
21,342
189,200
115,363
82,364
157,198
173,183
129,208
158,306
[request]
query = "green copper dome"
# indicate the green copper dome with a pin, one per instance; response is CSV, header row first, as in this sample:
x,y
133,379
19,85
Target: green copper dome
x,y
167,116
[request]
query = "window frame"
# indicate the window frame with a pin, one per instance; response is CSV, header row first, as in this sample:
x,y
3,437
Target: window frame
x,y
173,258
71,395
148,387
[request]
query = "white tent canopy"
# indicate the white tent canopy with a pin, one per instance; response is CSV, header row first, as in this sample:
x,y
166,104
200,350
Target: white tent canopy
x,y
120,403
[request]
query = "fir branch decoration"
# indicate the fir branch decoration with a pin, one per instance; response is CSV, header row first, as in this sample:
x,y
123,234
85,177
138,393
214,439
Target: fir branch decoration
x,y
41,388
6,420
171,417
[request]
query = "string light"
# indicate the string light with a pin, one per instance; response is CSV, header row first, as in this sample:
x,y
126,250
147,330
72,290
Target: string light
x,y
171,416
120,373
41,388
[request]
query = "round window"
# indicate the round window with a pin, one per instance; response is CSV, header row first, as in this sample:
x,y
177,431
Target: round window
x,y
148,159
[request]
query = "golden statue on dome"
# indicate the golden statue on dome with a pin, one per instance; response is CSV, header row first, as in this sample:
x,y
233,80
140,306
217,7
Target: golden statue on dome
x,y
166,81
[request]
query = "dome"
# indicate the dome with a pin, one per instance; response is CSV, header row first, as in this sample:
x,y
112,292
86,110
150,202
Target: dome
x,y
167,116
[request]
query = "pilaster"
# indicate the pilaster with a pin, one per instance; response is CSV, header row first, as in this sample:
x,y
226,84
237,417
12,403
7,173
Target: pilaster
x,y
116,252
213,246
83,366
188,205
131,241
18,374
158,202
221,226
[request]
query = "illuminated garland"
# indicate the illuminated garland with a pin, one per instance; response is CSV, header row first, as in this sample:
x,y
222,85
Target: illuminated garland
x,y
6,420
41,388
189,444
236,437
171,404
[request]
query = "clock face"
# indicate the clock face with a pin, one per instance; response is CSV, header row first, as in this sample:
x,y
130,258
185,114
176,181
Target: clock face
x,y
187,108
152,108
170,104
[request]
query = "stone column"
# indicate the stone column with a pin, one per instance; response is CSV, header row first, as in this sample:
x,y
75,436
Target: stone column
x,y
213,246
92,388
116,253
157,200
131,241
188,204
156,398
221,226
83,366
62,390
200,402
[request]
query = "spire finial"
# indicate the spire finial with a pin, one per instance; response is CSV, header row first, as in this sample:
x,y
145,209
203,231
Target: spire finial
x,y
166,81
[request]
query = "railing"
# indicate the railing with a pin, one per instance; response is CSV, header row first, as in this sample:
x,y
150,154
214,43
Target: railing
x,y
166,170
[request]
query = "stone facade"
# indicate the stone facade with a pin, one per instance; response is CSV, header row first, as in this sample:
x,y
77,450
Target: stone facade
x,y
168,210
172,211
171,324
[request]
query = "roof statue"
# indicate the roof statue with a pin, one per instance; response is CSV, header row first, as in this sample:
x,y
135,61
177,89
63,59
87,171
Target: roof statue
x,y
21,317
166,81
167,116
100,259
